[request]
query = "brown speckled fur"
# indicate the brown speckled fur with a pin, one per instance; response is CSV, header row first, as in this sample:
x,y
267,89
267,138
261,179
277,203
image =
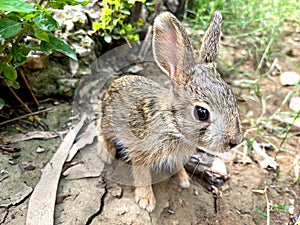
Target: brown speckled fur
x,y
157,126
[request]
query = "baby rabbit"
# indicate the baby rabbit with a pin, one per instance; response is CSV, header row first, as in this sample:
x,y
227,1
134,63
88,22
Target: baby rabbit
x,y
160,128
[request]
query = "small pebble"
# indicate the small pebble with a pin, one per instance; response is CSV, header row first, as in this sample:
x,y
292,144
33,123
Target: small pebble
x,y
29,167
295,104
55,102
12,162
289,78
244,52
116,192
196,192
40,150
135,69
3,172
171,211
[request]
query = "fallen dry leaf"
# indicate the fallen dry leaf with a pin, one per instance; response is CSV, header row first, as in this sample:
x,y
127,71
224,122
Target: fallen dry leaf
x,y
29,135
86,138
258,154
90,164
9,148
79,171
42,201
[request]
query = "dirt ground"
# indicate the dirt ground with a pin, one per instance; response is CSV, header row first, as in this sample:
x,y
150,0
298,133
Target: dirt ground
x,y
101,201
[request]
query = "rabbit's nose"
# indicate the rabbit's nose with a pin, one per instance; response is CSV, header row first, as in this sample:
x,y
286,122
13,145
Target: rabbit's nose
x,y
235,141
232,145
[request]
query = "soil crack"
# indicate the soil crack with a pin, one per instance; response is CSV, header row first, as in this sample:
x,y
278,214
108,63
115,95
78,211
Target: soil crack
x,y
92,217
6,208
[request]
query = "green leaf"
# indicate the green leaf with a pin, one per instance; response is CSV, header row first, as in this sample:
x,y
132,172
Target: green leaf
x,y
96,26
2,103
9,28
45,22
60,4
12,83
46,47
283,207
15,6
125,11
16,16
107,38
57,4
29,16
77,2
34,46
57,45
261,212
41,35
9,72
19,53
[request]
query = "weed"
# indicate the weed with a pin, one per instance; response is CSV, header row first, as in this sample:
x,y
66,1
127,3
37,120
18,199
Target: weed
x,y
114,22
269,205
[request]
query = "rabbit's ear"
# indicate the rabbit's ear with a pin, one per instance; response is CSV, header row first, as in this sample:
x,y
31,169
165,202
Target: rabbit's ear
x,y
210,46
172,49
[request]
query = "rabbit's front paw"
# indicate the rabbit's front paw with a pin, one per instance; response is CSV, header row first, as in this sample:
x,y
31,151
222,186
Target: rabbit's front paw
x,y
182,178
144,196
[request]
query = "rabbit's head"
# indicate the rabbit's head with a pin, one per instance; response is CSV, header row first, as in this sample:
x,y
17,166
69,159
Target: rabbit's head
x,y
204,106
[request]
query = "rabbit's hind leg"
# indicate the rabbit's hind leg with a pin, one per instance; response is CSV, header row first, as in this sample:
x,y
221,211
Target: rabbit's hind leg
x,y
182,178
144,195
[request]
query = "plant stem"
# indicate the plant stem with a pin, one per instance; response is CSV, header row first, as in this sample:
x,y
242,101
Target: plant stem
x,y
268,206
28,87
47,4
20,100
289,129
24,116
41,2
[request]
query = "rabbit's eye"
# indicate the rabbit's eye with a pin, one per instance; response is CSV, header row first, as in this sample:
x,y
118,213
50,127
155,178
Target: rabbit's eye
x,y
201,113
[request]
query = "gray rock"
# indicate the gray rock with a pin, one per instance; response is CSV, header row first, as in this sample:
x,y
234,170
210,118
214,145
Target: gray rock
x,y
81,43
70,17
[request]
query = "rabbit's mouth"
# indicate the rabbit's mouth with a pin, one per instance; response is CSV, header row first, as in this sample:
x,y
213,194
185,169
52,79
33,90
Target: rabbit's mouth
x,y
215,151
210,151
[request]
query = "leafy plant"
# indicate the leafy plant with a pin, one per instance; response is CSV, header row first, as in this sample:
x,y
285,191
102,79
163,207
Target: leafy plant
x,y
17,19
115,22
